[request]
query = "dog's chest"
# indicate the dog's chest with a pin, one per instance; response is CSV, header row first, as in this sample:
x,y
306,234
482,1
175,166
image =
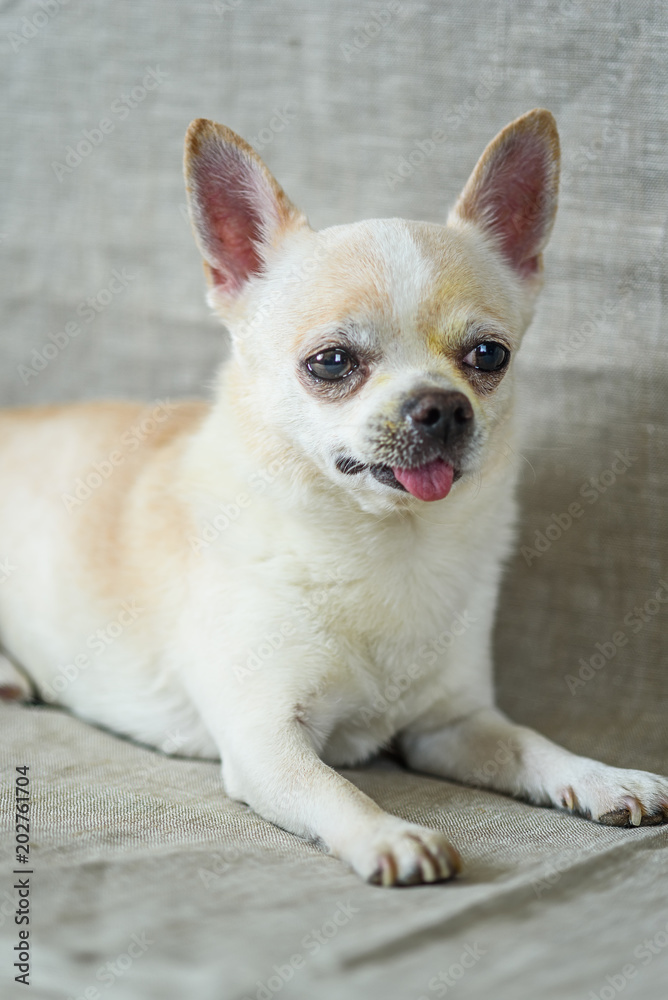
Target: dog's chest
x,y
384,640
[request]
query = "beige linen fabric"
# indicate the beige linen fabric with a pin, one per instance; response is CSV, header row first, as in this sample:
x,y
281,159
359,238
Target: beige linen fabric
x,y
342,102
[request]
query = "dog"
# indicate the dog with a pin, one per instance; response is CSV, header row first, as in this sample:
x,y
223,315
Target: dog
x,y
307,570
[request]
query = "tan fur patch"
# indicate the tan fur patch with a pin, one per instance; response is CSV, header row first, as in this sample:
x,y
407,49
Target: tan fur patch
x,y
352,282
466,288
131,524
134,525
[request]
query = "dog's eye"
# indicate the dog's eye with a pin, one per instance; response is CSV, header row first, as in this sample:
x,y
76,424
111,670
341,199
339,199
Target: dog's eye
x,y
488,357
331,365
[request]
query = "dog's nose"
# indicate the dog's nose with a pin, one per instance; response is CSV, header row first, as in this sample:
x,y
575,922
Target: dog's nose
x,y
441,413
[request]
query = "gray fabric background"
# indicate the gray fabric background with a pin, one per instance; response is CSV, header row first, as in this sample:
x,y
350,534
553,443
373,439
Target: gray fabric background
x,y
122,835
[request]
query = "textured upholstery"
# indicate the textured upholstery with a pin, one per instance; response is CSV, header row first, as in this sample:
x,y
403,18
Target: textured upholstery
x,y
338,98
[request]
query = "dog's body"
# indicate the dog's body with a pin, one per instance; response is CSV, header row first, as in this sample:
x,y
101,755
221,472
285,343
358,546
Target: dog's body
x,y
309,568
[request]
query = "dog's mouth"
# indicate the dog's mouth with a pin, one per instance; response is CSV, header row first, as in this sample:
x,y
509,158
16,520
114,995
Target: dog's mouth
x,y
431,481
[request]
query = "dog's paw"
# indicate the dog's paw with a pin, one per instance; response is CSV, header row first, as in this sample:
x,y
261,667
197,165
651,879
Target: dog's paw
x,y
615,796
401,853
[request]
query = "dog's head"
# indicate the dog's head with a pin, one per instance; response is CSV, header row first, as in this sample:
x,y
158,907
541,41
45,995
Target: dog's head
x,y
376,356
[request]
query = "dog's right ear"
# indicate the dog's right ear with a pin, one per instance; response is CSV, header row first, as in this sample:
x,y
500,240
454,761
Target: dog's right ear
x,y
512,193
237,208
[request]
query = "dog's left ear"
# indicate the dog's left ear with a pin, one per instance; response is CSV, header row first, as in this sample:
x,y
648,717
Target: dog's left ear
x,y
512,192
237,208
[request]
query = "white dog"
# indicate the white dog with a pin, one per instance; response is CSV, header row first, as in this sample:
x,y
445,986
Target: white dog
x,y
308,568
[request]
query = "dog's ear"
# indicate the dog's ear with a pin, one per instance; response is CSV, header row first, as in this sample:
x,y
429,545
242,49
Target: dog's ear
x,y
512,193
237,208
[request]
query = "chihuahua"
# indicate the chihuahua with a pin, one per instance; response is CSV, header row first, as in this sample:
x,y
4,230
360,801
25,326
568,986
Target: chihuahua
x,y
306,570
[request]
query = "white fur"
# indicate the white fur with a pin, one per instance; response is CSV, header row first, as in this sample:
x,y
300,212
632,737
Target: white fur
x,y
308,626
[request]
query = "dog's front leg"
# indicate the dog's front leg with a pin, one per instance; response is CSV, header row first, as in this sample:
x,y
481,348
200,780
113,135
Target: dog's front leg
x,y
465,737
270,762
484,748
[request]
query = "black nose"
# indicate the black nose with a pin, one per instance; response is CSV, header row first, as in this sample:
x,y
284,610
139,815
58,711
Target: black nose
x,y
440,413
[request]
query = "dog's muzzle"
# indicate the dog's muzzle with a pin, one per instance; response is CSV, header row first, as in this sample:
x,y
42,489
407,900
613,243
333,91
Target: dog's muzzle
x,y
441,416
422,449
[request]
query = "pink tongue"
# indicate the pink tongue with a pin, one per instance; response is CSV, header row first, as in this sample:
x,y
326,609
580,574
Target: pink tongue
x,y
429,482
